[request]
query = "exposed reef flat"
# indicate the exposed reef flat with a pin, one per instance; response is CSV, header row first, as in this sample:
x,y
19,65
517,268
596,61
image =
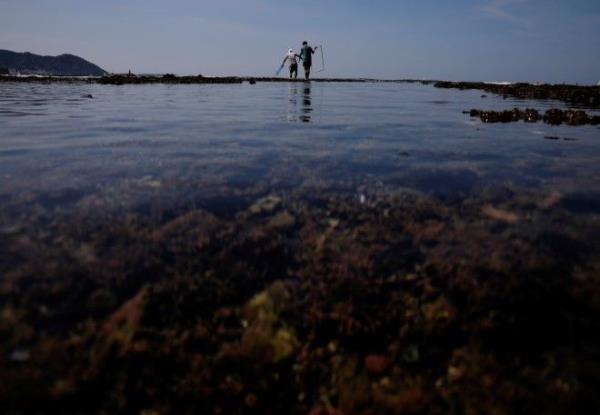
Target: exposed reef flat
x,y
587,96
173,79
553,116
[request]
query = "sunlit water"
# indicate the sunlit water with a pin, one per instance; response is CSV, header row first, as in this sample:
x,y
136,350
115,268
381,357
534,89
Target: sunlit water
x,y
59,148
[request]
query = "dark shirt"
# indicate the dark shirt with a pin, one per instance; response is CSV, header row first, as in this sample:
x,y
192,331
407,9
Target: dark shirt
x,y
306,55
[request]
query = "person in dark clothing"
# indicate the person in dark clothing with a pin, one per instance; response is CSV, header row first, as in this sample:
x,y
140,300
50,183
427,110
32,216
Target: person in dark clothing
x,y
306,56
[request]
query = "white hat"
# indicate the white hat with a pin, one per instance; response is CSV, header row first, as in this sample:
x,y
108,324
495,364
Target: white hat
x,y
291,51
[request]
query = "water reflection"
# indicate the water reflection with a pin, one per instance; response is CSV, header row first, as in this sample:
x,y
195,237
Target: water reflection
x,y
300,103
306,104
392,133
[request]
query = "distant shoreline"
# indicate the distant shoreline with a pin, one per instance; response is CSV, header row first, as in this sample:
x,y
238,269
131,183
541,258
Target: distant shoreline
x,y
588,96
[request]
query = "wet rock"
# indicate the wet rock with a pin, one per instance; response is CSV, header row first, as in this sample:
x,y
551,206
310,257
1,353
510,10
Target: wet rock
x,y
495,116
570,117
531,115
168,78
588,96
576,117
552,116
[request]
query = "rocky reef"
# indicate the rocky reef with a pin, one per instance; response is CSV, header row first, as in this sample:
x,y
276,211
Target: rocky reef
x,y
553,116
133,79
334,304
166,79
586,96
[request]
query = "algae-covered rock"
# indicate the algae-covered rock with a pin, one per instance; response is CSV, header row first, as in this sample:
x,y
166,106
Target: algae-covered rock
x,y
403,305
500,215
376,364
102,300
284,344
282,220
265,336
265,205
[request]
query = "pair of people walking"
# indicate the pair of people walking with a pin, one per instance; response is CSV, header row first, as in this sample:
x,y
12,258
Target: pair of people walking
x,y
305,56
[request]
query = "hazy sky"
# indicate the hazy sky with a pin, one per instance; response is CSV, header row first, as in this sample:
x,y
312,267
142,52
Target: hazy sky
x,y
528,40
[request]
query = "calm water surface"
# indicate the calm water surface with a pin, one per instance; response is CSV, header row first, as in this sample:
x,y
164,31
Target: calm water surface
x,y
132,143
205,249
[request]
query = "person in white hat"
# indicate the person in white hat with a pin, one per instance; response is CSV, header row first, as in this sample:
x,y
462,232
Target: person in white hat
x,y
292,60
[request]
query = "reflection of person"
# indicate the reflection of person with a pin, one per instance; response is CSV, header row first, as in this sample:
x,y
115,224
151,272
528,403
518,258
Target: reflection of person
x,y
300,106
292,101
291,59
306,105
306,56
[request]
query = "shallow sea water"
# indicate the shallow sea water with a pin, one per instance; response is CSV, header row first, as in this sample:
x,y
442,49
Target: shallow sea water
x,y
277,248
52,139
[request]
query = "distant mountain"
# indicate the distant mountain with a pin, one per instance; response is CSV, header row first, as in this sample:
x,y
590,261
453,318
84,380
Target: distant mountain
x,y
29,63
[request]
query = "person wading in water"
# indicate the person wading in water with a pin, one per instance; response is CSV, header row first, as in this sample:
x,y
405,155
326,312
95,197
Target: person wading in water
x,y
306,56
291,59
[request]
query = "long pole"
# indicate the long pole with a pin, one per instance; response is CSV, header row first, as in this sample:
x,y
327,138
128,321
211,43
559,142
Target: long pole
x,y
322,59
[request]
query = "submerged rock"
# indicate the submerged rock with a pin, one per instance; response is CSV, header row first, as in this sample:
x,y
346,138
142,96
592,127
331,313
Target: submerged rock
x,y
282,220
265,205
265,337
499,214
404,304
19,355
376,364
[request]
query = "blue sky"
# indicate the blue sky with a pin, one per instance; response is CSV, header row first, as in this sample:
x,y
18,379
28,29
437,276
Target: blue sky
x,y
514,40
